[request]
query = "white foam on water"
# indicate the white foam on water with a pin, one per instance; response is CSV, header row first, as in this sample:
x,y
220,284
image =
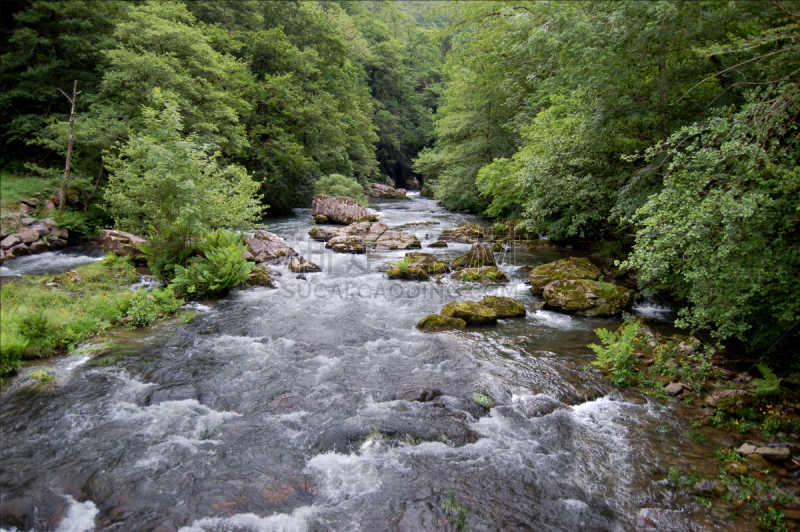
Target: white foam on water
x,y
296,522
342,477
80,516
197,307
47,262
553,320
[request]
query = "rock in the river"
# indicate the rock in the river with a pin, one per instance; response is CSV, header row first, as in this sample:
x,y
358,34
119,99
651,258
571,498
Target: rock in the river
x,y
323,234
733,401
587,298
27,235
435,323
485,275
437,244
301,265
747,449
376,190
709,488
479,255
732,467
504,307
261,276
38,247
427,262
121,243
410,273
420,396
17,251
358,237
269,248
466,233
341,210
673,388
472,312
569,268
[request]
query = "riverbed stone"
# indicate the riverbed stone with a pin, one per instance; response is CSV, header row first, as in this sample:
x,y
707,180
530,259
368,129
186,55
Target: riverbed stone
x,y
261,275
301,265
27,235
120,243
485,275
735,468
340,210
419,396
747,449
673,388
569,268
376,190
733,401
38,247
466,233
436,322
709,488
472,312
437,244
269,248
425,261
10,241
20,250
587,298
360,236
323,234
479,255
504,307
409,273
26,209
774,454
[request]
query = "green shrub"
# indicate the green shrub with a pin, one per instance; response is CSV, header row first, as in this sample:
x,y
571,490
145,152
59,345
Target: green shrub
x,y
145,306
339,185
615,356
12,347
221,268
34,325
83,224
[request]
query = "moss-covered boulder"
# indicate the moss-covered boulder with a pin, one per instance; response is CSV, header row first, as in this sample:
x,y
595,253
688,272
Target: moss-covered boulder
x,y
410,273
587,298
427,262
435,322
485,275
478,256
261,276
569,268
733,401
472,312
504,307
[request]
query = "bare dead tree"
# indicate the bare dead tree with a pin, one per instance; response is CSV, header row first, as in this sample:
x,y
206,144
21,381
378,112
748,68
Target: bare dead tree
x,y
62,202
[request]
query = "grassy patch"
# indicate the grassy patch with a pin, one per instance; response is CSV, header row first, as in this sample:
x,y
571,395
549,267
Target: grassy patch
x,y
13,187
37,320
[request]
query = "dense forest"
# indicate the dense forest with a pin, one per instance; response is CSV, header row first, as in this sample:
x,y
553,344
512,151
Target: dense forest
x,y
662,133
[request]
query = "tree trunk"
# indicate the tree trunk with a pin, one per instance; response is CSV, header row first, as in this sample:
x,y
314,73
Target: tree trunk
x,y
62,204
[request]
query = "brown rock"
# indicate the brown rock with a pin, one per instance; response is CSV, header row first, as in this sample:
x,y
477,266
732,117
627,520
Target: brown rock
x,y
49,205
41,228
301,265
119,242
246,255
747,449
466,233
27,220
323,234
673,388
31,202
10,241
341,210
27,235
4,231
49,222
17,251
26,209
38,247
735,468
269,248
775,454
358,237
377,190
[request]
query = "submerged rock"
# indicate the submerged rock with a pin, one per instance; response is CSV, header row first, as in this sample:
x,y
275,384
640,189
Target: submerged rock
x,y
466,233
376,190
487,274
340,210
504,307
437,244
569,268
479,255
419,396
410,273
435,322
587,298
121,243
323,234
472,312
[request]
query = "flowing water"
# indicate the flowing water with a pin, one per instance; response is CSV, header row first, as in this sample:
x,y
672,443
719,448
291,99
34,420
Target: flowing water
x,y
282,410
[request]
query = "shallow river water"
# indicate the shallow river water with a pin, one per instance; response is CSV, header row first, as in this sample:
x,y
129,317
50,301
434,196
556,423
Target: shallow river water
x,y
278,410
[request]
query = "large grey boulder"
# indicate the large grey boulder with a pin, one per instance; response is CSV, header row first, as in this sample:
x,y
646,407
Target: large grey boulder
x,y
361,236
269,248
340,210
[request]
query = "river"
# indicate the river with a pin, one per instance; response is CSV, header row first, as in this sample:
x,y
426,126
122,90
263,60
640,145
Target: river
x,y
277,409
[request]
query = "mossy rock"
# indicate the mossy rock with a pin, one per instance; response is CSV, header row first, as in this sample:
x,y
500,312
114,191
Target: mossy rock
x,y
485,275
569,268
261,276
504,307
478,256
471,312
427,262
587,298
321,219
411,273
733,401
435,322
497,247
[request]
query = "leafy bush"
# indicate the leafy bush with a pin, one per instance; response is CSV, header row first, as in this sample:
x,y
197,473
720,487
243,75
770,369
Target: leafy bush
x,y
339,185
403,265
34,325
221,268
83,224
615,357
12,348
145,306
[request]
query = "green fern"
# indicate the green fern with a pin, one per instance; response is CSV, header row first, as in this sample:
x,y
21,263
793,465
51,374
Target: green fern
x,y
770,384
